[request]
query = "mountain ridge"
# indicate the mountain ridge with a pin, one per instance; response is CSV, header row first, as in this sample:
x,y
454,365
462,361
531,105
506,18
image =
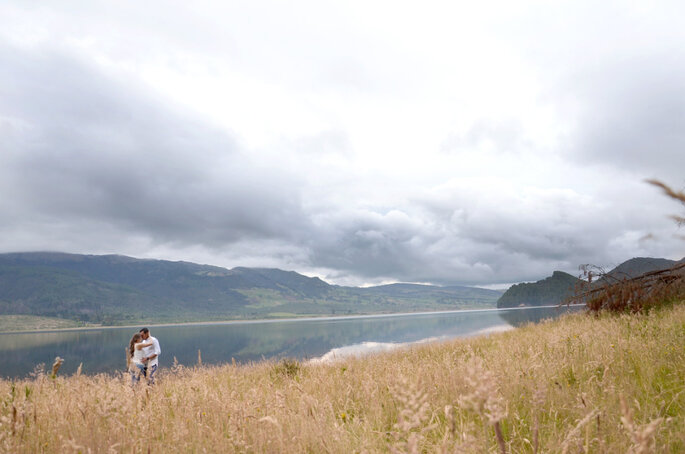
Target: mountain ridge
x,y
637,266
558,287
117,289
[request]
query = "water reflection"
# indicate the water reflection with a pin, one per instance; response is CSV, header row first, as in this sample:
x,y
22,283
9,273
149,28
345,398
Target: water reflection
x,y
103,350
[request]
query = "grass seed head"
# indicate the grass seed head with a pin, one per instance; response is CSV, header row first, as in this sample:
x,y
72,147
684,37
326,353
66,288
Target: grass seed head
x,y
55,366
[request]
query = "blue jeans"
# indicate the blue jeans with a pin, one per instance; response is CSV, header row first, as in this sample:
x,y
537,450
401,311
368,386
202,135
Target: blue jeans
x,y
136,373
149,372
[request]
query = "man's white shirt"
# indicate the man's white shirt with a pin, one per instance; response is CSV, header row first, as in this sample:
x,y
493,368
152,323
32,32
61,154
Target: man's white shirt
x,y
152,349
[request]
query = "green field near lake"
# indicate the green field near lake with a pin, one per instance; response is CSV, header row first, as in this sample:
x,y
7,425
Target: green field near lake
x,y
34,323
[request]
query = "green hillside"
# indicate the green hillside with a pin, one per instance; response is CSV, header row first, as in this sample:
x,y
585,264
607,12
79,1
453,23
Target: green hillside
x,y
548,291
114,289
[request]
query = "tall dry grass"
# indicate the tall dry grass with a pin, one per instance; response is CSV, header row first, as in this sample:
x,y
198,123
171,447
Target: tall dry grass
x,y
612,383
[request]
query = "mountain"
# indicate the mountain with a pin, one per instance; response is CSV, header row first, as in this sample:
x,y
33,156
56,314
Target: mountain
x,y
548,291
637,266
114,289
559,286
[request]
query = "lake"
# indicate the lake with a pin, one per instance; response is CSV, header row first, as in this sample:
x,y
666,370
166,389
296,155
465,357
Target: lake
x,y
102,349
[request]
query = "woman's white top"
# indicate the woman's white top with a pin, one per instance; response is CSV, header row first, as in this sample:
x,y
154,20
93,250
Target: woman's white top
x,y
137,354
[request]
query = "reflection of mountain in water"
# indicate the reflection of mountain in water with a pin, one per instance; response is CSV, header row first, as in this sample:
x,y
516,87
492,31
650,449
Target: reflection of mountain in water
x,y
102,350
99,350
311,338
518,317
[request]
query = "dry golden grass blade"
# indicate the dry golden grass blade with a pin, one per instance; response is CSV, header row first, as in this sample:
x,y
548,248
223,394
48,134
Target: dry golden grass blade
x,y
672,193
677,195
55,366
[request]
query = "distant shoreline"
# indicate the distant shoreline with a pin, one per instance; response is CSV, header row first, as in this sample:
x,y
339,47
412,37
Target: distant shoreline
x,y
276,320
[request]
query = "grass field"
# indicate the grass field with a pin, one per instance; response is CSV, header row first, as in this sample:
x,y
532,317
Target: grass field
x,y
613,383
33,323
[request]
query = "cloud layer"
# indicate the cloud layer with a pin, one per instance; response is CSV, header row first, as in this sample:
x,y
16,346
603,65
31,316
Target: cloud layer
x,y
460,150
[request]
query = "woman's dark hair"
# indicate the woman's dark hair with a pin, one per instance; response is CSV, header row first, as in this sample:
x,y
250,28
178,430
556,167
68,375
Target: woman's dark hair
x,y
132,345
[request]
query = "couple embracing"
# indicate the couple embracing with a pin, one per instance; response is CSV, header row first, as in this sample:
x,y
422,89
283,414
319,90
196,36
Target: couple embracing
x,y
143,353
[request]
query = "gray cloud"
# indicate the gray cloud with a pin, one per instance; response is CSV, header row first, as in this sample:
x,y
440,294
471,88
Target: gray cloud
x,y
633,116
82,145
95,160
480,235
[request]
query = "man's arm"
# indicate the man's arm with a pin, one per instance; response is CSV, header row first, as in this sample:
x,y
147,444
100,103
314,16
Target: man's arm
x,y
156,353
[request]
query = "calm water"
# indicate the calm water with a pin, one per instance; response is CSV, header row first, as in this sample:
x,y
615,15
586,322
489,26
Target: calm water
x,y
102,350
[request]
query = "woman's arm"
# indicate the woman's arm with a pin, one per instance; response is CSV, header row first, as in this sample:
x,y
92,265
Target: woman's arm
x,y
141,345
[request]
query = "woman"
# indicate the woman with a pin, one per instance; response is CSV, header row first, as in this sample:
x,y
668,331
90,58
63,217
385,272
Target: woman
x,y
135,349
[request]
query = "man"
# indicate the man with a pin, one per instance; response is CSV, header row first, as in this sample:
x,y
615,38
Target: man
x,y
150,355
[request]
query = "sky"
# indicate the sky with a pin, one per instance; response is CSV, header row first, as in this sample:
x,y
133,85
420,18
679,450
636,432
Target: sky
x,y
363,142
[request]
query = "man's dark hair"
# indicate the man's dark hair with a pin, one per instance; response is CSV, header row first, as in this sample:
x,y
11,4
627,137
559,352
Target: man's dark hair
x,y
144,330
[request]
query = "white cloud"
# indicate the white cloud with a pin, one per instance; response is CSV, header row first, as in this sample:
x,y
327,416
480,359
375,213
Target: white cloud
x,y
447,142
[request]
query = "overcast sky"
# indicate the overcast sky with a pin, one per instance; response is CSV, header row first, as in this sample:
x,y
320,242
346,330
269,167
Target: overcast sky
x,y
365,142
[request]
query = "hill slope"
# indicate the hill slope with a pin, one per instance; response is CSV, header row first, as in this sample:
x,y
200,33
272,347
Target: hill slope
x,y
637,266
559,286
113,289
551,290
